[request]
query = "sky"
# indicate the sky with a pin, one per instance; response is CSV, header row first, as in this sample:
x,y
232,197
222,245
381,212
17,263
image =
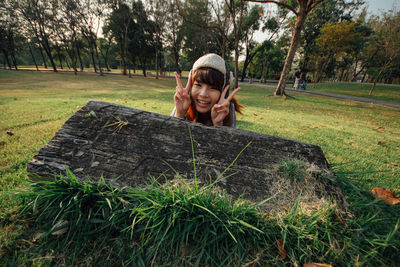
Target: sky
x,y
377,6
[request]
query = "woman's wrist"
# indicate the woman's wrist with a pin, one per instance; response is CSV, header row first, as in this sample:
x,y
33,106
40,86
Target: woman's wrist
x,y
218,123
180,115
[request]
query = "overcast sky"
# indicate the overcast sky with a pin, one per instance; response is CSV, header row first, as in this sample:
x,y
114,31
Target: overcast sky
x,y
377,6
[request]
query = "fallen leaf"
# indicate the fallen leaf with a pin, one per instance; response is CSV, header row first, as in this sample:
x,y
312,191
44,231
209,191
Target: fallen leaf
x,y
282,250
313,127
379,131
381,143
379,127
58,225
314,264
394,164
10,133
255,114
385,195
37,236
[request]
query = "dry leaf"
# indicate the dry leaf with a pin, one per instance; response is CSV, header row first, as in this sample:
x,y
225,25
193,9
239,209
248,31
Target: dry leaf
x,y
394,164
62,230
314,264
282,250
379,127
313,127
255,114
37,236
385,195
381,143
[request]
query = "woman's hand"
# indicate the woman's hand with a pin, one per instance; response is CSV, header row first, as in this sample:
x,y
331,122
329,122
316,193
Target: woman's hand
x,y
221,109
182,97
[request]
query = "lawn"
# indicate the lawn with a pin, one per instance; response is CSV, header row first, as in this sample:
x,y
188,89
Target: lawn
x,y
362,140
385,92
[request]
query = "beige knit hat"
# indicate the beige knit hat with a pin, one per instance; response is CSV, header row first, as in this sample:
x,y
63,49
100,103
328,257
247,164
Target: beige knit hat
x,y
211,61
216,62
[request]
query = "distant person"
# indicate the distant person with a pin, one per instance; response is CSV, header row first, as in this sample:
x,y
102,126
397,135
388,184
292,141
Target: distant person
x,y
297,75
206,98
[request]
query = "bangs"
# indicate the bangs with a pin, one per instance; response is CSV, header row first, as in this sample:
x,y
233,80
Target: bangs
x,y
209,76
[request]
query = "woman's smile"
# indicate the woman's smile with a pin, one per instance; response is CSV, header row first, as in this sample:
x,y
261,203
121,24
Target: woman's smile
x,y
204,96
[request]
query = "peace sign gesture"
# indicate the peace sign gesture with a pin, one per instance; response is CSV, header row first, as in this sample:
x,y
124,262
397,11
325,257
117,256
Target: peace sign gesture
x,y
182,97
221,109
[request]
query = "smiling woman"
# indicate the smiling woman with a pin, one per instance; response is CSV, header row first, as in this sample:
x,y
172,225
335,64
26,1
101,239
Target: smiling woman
x,y
206,97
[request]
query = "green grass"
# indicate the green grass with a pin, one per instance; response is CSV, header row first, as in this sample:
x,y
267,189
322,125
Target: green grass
x,y
385,92
364,137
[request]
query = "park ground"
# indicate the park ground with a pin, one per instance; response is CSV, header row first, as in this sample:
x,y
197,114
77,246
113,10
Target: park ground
x,y
361,141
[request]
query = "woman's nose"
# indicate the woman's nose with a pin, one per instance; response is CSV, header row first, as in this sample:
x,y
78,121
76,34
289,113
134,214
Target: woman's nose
x,y
204,91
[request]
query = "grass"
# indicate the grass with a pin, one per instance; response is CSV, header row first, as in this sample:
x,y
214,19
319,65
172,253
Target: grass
x,y
385,92
362,139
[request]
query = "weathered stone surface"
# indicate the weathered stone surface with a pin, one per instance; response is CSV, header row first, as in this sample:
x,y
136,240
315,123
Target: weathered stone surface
x,y
128,145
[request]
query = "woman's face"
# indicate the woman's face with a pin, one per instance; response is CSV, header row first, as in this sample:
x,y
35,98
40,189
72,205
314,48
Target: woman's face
x,y
204,96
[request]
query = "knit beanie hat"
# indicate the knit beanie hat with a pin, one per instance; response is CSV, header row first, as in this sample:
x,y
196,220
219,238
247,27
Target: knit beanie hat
x,y
211,61
216,62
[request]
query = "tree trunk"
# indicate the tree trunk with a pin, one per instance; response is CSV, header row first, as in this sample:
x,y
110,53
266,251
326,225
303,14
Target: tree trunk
x,y
300,19
372,88
33,57
176,59
78,52
47,49
97,57
93,60
363,78
59,56
41,53
6,58
157,63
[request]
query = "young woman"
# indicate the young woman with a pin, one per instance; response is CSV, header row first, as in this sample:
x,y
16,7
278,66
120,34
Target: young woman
x,y
206,97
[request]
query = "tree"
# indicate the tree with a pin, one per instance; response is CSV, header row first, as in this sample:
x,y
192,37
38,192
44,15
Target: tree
x,y
236,9
37,15
141,36
222,24
329,11
117,25
386,43
174,33
337,42
158,9
301,8
9,34
199,35
250,24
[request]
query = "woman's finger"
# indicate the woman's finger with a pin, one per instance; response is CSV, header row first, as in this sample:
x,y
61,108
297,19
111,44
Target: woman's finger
x,y
224,93
230,97
178,80
179,90
189,82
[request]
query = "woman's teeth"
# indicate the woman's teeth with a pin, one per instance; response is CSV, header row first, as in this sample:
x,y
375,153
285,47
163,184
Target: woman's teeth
x,y
203,102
